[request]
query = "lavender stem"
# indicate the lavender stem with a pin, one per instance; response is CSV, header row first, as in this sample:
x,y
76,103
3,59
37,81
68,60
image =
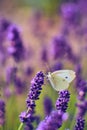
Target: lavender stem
x,y
71,126
20,126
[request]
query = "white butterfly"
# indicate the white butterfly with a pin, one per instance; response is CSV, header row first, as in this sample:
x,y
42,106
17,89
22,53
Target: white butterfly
x,y
61,79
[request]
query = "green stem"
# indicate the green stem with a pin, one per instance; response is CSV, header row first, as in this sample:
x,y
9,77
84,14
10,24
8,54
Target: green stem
x,y
21,125
74,117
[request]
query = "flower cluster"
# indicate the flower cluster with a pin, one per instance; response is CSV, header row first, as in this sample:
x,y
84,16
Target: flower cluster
x,y
35,90
16,48
62,101
80,124
82,109
71,14
52,122
4,25
59,45
2,112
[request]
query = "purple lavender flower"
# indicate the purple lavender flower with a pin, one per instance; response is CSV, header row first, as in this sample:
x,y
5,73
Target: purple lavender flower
x,y
25,117
82,90
52,122
71,13
61,49
16,49
35,90
2,112
58,45
80,124
28,127
82,108
81,84
36,86
57,66
4,24
47,105
62,101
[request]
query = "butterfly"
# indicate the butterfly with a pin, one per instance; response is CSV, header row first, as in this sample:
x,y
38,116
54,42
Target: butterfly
x,y
61,79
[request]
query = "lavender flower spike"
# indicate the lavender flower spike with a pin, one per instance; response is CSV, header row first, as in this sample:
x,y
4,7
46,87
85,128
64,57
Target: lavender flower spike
x,y
62,101
80,124
35,88
52,122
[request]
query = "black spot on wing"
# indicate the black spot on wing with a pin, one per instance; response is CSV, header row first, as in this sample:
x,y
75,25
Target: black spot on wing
x,y
66,77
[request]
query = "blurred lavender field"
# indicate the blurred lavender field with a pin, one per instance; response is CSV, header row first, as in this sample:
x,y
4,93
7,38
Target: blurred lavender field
x,y
37,37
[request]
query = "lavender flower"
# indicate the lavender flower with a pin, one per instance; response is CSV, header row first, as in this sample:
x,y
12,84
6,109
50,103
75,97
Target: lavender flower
x,y
47,106
4,24
35,90
82,108
80,124
78,74
82,90
57,66
36,86
71,13
28,127
2,112
62,101
52,122
61,49
58,46
16,49
81,84
24,117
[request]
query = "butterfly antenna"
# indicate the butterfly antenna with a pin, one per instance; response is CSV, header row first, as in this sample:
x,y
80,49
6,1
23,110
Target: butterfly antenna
x,y
48,67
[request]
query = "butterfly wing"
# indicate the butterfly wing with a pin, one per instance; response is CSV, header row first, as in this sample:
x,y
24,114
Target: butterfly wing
x,y
58,83
68,75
